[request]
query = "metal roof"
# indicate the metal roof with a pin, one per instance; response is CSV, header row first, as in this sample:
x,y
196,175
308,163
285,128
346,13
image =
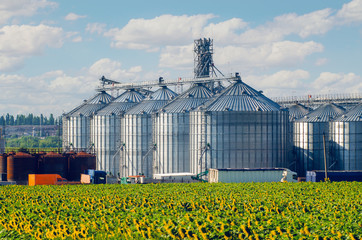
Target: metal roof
x,y
164,93
92,105
241,97
354,115
154,102
189,100
324,113
297,111
122,103
131,96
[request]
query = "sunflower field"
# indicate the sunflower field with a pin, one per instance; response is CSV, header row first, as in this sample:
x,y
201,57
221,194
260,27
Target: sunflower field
x,y
183,211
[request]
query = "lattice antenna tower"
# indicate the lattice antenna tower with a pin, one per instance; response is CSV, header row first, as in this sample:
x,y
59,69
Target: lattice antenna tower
x,y
203,61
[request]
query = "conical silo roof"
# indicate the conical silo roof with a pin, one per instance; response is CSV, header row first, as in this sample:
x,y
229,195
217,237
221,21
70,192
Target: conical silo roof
x,y
297,111
92,105
189,100
241,97
122,103
354,115
154,102
324,113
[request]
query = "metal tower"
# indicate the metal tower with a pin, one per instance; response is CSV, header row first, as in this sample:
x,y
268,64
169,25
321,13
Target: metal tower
x,y
203,63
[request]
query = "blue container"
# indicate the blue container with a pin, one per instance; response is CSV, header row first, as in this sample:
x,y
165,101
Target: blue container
x,y
334,176
97,177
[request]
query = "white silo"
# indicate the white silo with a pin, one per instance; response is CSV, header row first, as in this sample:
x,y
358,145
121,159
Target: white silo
x,y
171,131
346,140
76,123
241,128
296,111
309,132
137,140
106,130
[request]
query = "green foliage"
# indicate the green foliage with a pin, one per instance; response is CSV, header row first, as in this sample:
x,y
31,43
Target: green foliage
x,y
21,119
33,142
183,211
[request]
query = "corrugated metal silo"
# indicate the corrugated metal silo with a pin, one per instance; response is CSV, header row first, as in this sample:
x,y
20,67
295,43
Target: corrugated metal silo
x,y
241,128
76,123
171,131
296,111
106,130
308,137
137,151
346,140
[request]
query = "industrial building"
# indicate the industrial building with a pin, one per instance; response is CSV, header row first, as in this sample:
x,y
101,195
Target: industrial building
x,y
217,122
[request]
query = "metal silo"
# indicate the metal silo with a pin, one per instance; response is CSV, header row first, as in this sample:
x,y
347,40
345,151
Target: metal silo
x,y
296,111
346,140
76,123
308,138
171,131
106,130
138,145
241,128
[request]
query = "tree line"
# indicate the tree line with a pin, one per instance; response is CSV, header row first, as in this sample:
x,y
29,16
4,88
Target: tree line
x,y
30,119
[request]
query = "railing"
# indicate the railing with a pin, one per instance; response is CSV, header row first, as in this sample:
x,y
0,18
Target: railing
x,y
162,82
320,98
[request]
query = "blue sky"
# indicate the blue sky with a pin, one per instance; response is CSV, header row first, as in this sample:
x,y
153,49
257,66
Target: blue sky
x,y
52,53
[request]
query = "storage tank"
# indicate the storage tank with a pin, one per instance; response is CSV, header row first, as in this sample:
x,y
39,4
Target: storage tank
x,y
3,163
106,130
76,123
241,128
53,163
308,138
138,143
171,131
19,166
297,111
78,163
346,140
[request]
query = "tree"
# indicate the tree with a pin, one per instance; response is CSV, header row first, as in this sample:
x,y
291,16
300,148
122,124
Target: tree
x,y
51,119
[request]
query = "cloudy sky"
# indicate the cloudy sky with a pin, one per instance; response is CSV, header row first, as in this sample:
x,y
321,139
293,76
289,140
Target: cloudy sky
x,y
52,53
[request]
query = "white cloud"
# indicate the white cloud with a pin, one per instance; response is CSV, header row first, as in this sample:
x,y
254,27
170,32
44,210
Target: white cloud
x,y
11,8
224,32
315,23
351,12
299,83
30,41
73,17
77,39
282,83
112,70
321,61
163,30
285,53
176,56
96,28
57,91
328,82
